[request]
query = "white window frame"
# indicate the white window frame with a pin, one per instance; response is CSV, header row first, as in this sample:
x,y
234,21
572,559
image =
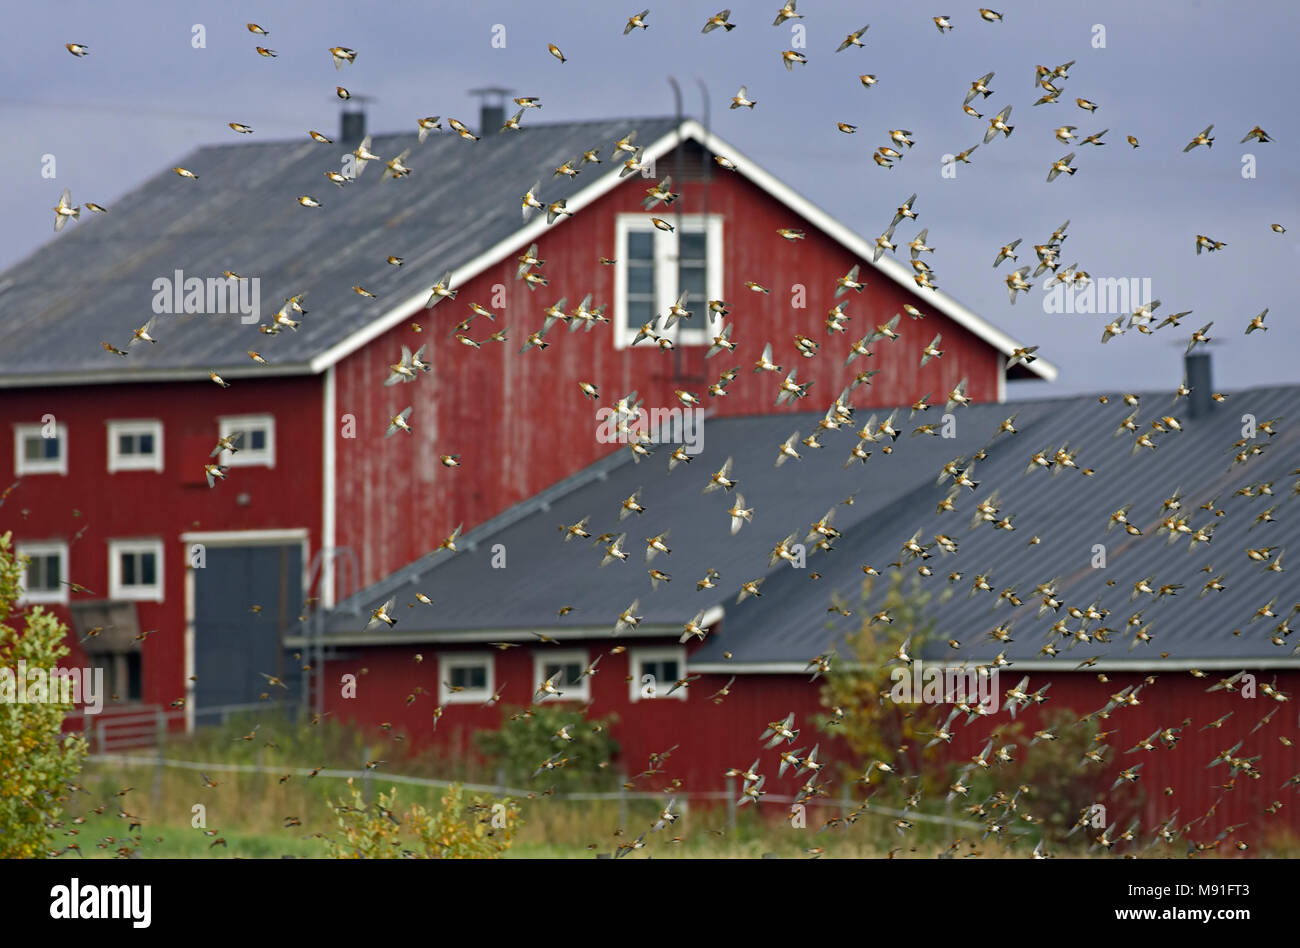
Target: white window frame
x,y
116,590
23,467
135,462
246,456
637,657
449,660
666,292
51,548
570,656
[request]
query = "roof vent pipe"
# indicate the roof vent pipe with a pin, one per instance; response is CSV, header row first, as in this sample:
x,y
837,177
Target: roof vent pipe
x,y
1196,367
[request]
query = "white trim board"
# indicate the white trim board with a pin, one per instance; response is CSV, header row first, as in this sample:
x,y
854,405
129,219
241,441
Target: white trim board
x,y
693,130
1134,666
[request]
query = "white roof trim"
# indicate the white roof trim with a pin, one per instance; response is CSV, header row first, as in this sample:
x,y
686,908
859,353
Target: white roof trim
x,y
1136,665
456,636
689,129
863,248
491,257
109,376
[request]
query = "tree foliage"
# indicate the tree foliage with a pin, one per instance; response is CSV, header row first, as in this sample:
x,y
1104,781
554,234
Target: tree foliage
x,y
528,737
873,726
477,828
38,763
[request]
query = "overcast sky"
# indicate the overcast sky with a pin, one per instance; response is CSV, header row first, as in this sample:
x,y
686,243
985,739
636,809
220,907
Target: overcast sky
x,y
144,97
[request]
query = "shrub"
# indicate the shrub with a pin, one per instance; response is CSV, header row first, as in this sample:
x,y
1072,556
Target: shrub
x,y
38,763
482,828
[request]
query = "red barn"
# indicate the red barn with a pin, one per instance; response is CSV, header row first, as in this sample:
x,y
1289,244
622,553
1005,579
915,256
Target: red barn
x,y
1105,624
197,586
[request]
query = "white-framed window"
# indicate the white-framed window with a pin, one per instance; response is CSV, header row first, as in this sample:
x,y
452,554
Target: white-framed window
x,y
135,570
575,685
257,444
645,277
41,449
665,665
465,677
135,445
43,577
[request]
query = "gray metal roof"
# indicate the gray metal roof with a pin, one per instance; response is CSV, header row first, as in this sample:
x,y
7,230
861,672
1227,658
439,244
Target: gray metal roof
x,y
95,280
896,495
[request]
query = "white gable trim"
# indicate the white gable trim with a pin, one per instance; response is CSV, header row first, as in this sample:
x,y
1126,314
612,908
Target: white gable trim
x,y
689,129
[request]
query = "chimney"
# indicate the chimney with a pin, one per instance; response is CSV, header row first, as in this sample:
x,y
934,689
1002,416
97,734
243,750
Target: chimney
x,y
1196,366
491,117
354,127
492,107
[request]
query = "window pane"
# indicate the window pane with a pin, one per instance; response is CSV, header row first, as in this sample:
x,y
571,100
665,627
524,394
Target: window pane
x,y
128,569
257,439
693,283
146,444
125,444
134,676
693,246
471,677
640,280
43,573
640,246
639,312
148,569
51,448
33,449
669,669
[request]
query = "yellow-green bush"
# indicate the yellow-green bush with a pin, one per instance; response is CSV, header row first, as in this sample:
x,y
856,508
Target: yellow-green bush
x,y
38,763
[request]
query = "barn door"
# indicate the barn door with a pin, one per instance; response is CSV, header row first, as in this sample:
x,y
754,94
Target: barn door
x,y
232,643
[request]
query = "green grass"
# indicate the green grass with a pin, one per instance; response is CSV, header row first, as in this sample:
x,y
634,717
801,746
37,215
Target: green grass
x,y
248,810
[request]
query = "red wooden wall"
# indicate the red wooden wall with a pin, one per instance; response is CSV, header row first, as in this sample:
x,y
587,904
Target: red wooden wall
x,y
149,504
519,421
714,737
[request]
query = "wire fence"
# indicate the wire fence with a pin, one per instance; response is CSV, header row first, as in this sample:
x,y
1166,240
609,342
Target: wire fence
x,y
368,777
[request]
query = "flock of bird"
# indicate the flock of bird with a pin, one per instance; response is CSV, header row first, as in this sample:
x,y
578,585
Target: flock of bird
x,y
999,812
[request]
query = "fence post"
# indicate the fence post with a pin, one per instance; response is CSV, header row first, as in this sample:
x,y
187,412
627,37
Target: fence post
x,y
160,738
622,801
99,737
501,780
365,778
731,803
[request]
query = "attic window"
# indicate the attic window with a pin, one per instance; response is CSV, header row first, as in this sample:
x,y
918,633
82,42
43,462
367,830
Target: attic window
x,y
646,276
40,449
135,446
255,444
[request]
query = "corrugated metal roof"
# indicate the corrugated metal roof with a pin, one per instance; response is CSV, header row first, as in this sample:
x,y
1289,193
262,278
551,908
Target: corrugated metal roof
x,y
96,280
896,495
